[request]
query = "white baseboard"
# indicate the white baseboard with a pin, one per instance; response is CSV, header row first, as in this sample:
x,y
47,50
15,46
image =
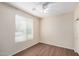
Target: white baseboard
x,y
23,49
56,45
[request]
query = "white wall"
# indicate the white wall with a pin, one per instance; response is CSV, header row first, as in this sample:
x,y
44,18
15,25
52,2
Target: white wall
x,y
8,46
76,29
58,30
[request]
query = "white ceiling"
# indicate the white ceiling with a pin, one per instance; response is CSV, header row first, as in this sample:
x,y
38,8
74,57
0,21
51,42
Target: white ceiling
x,y
54,8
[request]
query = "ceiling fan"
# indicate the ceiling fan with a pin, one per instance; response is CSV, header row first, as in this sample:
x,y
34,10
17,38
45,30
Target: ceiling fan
x,y
44,6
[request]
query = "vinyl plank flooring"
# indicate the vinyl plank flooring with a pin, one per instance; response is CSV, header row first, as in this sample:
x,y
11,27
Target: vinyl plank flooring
x,y
41,49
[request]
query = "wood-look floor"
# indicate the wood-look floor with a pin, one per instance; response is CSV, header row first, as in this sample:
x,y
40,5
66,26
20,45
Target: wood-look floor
x,y
41,49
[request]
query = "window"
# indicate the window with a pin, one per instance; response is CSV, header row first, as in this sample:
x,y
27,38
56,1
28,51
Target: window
x,y
24,29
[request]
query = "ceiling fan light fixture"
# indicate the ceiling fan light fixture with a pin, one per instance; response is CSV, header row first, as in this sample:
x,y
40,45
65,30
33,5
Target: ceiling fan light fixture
x,y
46,11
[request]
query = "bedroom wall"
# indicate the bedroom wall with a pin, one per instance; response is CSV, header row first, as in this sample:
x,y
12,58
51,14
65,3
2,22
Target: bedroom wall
x,y
58,30
8,46
76,29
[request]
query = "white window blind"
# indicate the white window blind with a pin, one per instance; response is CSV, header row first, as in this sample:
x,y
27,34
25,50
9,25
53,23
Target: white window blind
x,y
24,29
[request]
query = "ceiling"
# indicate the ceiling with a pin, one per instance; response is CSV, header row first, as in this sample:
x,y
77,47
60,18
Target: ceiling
x,y
44,9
